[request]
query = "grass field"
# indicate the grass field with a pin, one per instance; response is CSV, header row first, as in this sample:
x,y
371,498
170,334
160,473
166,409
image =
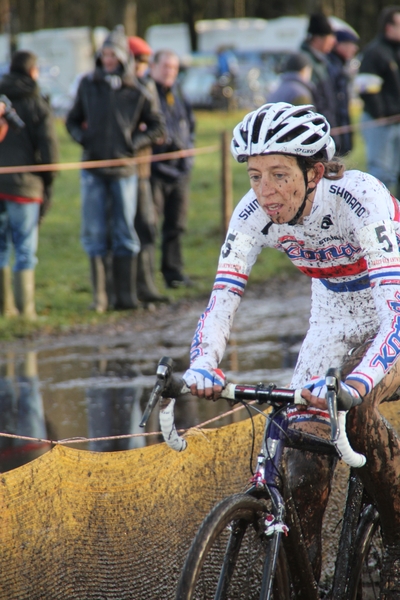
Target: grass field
x,y
63,291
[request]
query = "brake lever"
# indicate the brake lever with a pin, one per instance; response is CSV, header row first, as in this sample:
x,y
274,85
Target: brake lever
x,y
163,374
332,379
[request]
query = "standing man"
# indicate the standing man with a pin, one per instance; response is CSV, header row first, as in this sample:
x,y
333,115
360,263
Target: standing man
x,y
170,179
21,194
381,61
146,216
109,107
317,45
344,50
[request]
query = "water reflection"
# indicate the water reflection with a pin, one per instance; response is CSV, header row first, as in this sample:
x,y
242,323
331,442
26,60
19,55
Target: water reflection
x,y
21,412
94,387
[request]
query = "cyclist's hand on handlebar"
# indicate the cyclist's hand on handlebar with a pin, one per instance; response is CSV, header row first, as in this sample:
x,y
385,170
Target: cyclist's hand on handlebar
x,y
315,392
205,383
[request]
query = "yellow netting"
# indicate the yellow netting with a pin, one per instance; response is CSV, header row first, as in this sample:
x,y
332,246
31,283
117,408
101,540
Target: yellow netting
x,y
79,524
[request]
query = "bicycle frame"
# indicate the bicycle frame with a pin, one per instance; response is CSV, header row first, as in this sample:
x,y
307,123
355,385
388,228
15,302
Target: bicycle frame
x,y
266,482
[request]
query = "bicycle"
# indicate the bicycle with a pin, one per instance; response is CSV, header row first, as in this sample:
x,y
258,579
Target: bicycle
x,y
250,545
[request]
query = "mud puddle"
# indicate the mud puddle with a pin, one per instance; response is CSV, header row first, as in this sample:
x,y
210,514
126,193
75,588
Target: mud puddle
x,y
96,383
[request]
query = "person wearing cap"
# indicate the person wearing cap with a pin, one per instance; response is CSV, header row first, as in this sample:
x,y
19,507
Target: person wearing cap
x,y
105,119
146,217
381,63
317,45
345,48
295,85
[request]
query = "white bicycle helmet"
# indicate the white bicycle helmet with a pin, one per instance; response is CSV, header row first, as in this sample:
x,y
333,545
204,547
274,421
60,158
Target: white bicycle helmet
x,y
283,128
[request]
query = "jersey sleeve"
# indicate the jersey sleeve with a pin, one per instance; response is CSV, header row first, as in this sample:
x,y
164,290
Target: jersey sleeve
x,y
239,252
379,244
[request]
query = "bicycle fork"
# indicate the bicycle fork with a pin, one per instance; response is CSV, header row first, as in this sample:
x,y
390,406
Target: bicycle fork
x,y
269,466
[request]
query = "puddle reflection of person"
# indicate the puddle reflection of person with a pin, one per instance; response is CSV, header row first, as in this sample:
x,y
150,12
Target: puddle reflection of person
x,y
21,412
114,411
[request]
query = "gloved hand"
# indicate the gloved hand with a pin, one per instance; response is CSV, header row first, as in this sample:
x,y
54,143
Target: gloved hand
x,y
204,378
318,388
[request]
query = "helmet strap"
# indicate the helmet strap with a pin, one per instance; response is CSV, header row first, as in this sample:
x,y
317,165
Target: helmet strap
x,y
299,213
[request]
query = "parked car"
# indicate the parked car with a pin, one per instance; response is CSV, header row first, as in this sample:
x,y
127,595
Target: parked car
x,y
256,74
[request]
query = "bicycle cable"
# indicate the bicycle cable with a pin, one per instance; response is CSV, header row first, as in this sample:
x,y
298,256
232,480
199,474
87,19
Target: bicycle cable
x,y
253,432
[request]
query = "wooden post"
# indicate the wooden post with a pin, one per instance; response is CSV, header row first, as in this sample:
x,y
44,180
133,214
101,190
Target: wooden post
x,y
226,182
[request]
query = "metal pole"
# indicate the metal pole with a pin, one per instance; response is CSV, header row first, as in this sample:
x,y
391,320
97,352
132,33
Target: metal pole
x,y
226,182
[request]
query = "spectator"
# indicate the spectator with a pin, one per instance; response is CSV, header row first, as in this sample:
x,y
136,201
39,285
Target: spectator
x,y
3,122
109,107
21,194
344,50
381,58
170,178
319,42
146,218
295,86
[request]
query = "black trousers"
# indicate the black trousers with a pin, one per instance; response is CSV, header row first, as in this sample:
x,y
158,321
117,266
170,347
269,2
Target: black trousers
x,y
171,200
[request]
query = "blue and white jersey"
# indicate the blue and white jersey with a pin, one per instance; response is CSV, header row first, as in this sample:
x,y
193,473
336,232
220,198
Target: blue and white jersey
x,y
349,246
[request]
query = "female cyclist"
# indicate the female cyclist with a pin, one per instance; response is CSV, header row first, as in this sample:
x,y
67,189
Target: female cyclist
x,y
340,228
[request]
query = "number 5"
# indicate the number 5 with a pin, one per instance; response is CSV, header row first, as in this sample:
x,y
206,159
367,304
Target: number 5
x,y
382,237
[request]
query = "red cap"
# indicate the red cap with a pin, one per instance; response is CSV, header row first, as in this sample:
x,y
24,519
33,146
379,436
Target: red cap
x,y
138,46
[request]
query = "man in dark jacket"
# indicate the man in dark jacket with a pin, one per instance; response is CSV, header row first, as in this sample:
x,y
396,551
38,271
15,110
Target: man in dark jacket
x,y
295,85
319,42
380,91
345,49
170,179
105,119
21,194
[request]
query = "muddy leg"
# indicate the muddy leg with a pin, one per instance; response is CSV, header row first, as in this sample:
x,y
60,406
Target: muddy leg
x,y
371,434
309,478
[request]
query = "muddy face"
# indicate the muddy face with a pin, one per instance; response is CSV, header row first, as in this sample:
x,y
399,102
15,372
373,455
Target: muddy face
x,y
279,185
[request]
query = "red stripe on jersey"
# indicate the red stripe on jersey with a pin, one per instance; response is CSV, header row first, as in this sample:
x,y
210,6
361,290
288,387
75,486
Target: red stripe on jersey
x,y
396,216
337,271
234,273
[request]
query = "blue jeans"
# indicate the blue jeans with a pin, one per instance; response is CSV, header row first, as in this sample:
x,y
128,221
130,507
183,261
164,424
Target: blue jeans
x,y
19,228
108,214
382,146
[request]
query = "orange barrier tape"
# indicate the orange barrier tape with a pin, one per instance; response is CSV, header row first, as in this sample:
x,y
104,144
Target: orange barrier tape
x,y
373,123
116,162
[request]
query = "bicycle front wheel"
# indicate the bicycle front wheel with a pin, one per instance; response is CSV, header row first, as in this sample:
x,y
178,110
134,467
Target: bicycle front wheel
x,y
230,553
364,578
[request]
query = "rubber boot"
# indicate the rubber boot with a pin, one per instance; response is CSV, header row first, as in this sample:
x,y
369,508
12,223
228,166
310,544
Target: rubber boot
x,y
146,286
125,276
98,277
24,282
7,303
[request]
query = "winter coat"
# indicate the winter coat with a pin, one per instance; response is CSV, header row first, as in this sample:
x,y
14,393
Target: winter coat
x,y
343,141
113,116
324,91
293,89
180,126
382,57
36,143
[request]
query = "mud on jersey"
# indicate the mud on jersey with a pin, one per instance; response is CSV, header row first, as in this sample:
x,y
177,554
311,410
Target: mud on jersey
x,y
349,246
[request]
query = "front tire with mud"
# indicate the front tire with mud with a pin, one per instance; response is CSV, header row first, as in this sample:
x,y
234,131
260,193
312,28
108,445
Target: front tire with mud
x,y
228,555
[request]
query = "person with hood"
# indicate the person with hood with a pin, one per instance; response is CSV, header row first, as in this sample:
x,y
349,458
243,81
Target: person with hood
x,y
317,45
21,194
295,85
106,119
